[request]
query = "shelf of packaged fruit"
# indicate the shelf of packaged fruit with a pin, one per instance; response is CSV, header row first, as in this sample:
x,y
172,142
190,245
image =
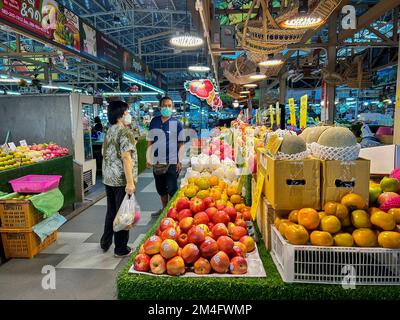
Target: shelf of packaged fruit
x,y
138,286
62,166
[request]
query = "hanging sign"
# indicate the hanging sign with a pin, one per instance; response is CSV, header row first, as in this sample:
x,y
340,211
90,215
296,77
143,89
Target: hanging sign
x,y
202,89
257,194
278,115
324,104
293,122
217,104
271,115
303,111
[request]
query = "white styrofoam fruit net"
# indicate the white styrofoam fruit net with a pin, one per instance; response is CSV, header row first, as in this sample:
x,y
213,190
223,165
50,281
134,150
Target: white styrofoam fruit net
x,y
332,153
296,156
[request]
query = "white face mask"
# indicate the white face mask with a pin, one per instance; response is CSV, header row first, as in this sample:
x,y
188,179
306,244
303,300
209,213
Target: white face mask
x,y
127,119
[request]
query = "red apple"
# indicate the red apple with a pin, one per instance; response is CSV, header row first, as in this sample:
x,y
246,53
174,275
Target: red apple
x,y
157,264
158,232
196,235
186,223
185,213
173,214
182,203
230,226
221,217
209,202
208,248
202,266
219,230
238,232
225,244
211,211
241,246
241,223
170,233
201,218
197,205
210,225
220,207
231,213
167,223
207,232
142,262
169,248
248,242
220,262
176,266
237,252
246,215
190,253
238,265
182,240
152,245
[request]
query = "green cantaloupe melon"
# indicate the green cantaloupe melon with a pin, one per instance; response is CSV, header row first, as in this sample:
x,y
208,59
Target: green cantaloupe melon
x,y
292,145
314,135
337,137
305,133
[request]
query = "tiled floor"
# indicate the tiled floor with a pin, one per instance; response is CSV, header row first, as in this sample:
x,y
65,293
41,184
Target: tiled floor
x,y
82,270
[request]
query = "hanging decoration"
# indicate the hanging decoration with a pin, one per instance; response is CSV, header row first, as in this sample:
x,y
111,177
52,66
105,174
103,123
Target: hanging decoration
x,y
217,104
203,89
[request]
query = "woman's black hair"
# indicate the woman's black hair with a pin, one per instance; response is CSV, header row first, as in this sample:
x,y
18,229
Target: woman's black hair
x,y
116,110
165,98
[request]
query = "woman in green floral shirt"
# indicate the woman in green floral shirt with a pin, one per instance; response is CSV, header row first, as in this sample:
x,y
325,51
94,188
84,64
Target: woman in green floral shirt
x,y
119,173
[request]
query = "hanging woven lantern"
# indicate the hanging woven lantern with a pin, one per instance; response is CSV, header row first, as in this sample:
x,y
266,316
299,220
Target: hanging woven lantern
x,y
265,36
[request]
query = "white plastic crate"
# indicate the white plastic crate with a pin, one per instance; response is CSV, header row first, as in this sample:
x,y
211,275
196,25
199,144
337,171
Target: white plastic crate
x,y
335,265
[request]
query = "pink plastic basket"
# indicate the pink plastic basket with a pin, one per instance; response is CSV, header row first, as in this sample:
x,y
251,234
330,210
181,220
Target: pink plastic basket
x,y
35,183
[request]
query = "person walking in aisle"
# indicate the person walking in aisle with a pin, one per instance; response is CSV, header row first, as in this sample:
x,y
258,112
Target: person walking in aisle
x,y
164,143
119,173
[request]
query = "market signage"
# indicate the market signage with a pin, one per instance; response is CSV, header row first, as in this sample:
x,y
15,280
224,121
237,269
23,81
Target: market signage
x,y
204,89
109,52
44,18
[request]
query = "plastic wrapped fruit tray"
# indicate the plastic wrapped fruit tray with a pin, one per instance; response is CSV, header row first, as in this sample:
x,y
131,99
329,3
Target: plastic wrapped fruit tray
x,y
35,183
335,265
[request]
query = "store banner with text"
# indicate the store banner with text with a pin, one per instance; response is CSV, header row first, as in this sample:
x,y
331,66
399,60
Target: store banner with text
x,y
293,122
44,18
109,52
303,111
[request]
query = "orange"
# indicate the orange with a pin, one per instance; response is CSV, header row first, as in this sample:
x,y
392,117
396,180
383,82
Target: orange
x,y
224,197
229,204
321,214
396,214
296,234
389,239
214,181
283,225
308,218
365,237
336,209
346,222
222,185
236,199
202,194
239,207
277,222
330,224
203,183
293,216
383,220
221,201
343,239
321,238
215,193
360,219
230,191
354,201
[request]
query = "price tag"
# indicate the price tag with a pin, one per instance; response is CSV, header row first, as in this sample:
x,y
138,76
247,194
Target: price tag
x,y
274,144
293,122
257,195
12,146
5,149
278,115
303,111
23,143
271,115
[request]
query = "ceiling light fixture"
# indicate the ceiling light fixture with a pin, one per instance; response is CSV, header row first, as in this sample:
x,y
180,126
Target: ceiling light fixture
x,y
251,85
303,20
258,75
199,68
270,63
244,92
235,104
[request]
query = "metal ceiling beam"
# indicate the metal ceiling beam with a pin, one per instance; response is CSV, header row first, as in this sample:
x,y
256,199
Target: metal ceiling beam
x,y
382,36
173,4
147,10
370,16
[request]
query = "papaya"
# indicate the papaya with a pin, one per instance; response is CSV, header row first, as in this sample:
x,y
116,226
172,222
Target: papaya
x,y
383,220
389,239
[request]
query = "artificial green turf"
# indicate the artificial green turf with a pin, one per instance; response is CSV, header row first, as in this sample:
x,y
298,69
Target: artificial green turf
x,y
142,287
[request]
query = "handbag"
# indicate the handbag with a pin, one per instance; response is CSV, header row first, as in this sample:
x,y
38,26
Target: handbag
x,y
160,169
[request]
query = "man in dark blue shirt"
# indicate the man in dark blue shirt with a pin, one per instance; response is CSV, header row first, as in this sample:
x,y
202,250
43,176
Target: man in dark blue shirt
x,y
164,141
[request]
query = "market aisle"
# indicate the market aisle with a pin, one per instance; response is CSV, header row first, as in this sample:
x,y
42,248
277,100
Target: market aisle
x,y
83,271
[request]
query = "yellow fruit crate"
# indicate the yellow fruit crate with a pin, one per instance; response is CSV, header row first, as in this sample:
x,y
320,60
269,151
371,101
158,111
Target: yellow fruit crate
x,y
24,243
18,214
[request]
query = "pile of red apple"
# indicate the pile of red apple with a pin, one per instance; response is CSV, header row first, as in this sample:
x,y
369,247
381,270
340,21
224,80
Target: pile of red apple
x,y
219,148
198,236
50,151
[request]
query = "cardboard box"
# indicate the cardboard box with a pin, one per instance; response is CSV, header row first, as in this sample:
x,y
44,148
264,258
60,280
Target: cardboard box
x,y
270,214
341,177
291,184
261,161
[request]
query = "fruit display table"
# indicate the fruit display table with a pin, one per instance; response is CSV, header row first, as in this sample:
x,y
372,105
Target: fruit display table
x,y
137,287
59,166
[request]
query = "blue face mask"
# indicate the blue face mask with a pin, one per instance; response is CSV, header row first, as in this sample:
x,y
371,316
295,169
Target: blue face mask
x,y
166,112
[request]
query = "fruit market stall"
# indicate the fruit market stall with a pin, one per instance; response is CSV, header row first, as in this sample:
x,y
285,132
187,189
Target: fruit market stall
x,y
313,222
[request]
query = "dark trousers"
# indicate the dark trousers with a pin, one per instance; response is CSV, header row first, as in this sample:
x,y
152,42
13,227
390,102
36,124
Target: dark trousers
x,y
115,196
167,184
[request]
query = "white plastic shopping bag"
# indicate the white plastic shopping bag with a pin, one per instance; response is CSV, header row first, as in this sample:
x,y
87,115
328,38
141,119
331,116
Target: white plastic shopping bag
x,y
127,215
